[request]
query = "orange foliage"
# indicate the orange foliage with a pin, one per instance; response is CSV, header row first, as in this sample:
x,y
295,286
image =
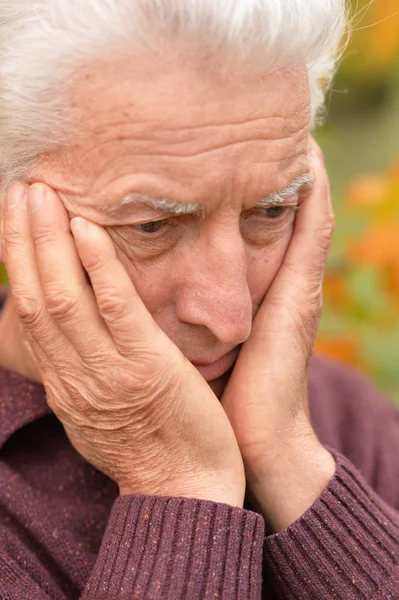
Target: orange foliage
x,y
374,46
343,348
383,33
379,248
377,199
335,289
366,190
361,288
394,173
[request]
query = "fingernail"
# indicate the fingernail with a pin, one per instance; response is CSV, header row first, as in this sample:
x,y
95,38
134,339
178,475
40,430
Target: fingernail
x,y
79,228
36,197
16,194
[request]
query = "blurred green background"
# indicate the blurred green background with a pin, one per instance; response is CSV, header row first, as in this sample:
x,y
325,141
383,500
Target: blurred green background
x,y
360,140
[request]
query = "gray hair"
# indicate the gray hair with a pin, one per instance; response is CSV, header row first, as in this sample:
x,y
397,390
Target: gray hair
x,y
43,42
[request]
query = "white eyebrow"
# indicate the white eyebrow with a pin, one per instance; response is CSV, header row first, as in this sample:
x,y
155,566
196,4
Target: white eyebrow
x,y
293,188
163,204
177,208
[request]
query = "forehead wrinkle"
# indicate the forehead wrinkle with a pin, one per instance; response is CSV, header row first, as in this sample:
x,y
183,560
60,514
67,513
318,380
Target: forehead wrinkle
x,y
177,208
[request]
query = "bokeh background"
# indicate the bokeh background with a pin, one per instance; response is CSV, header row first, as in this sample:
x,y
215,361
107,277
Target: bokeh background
x,y
360,140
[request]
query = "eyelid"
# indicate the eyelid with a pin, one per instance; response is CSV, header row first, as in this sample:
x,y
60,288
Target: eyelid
x,y
143,221
292,200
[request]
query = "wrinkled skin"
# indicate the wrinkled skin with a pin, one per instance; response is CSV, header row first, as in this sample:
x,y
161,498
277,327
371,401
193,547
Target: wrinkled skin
x,y
223,144
196,136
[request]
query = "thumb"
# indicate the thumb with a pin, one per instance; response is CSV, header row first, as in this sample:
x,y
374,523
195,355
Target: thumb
x,y
293,303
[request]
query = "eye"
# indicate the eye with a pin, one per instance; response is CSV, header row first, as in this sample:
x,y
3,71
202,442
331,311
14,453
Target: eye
x,y
273,212
152,226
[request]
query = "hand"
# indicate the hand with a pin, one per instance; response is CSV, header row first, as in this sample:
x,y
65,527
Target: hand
x,y
130,403
16,353
266,398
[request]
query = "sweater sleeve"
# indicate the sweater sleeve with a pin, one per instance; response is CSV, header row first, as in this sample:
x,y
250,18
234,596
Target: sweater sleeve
x,y
178,548
346,546
154,548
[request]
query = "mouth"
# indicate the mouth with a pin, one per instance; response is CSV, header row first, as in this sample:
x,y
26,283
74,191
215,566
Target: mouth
x,y
212,371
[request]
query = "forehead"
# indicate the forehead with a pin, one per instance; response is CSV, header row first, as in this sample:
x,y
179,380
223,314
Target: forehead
x,y
188,133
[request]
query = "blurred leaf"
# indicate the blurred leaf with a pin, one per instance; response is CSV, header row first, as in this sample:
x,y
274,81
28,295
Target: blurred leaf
x,y
3,275
383,40
344,348
360,323
374,46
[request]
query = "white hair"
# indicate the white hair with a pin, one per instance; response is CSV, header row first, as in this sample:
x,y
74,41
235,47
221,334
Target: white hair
x,y
43,42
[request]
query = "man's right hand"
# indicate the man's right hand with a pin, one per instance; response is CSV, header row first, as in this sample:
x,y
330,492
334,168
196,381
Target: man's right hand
x,y
130,402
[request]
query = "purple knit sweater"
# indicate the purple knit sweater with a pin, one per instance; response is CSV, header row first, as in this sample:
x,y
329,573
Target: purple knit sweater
x,y
65,533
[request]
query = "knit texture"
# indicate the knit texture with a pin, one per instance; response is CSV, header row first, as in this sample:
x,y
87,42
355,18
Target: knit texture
x,y
349,538
178,548
66,534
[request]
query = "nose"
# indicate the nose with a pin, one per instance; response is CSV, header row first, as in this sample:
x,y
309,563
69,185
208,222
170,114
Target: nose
x,y
215,293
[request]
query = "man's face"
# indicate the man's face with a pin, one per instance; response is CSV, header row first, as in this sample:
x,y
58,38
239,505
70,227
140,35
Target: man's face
x,y
190,137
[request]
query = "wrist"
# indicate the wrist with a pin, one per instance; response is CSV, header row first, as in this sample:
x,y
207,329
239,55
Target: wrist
x,y
285,485
213,488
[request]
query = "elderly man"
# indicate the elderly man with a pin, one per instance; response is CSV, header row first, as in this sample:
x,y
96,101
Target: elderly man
x,y
166,222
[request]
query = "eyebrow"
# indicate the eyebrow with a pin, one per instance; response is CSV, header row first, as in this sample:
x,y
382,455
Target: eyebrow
x,y
296,186
177,208
162,204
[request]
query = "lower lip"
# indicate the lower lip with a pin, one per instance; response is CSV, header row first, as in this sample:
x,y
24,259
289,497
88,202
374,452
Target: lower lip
x,y
218,368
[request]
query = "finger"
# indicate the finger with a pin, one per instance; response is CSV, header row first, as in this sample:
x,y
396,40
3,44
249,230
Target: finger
x,y
307,253
24,279
298,285
68,297
129,322
287,322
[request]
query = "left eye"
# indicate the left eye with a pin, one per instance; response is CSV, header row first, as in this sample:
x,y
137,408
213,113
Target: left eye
x,y
273,212
152,226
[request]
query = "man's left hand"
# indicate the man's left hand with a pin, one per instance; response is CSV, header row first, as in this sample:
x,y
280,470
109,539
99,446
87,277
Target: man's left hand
x,y
266,398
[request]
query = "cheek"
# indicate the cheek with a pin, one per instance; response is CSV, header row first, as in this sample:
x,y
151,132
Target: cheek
x,y
263,266
156,285
158,282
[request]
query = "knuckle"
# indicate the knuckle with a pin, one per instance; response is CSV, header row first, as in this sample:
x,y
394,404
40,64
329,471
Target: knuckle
x,y
307,287
51,401
315,306
61,305
113,308
53,398
28,309
306,324
325,232
93,363
317,150
330,222
13,237
97,262
44,234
